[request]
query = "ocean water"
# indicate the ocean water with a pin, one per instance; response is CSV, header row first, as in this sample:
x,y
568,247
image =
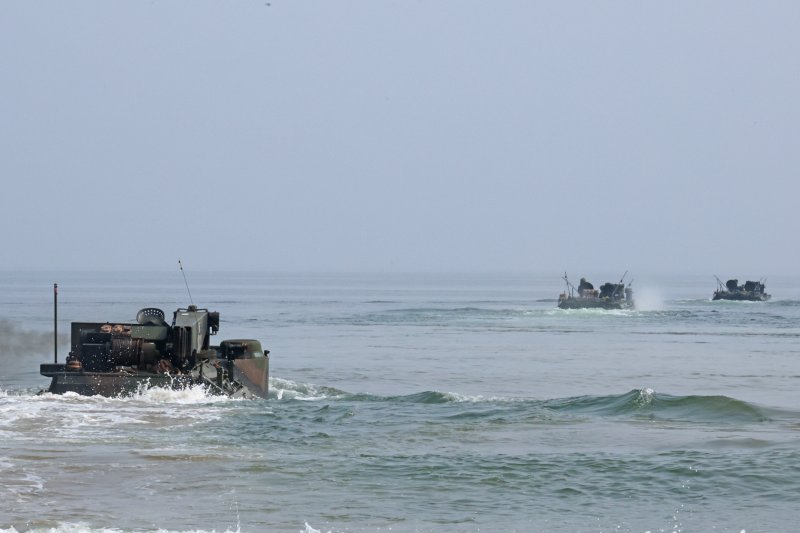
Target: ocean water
x,y
415,403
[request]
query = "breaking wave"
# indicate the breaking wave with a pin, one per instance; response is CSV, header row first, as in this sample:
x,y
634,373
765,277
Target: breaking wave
x,y
286,389
646,402
636,403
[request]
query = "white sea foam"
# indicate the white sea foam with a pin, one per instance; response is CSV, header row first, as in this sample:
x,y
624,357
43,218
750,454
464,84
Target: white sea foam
x,y
188,395
479,398
455,397
593,312
286,389
196,394
310,529
70,415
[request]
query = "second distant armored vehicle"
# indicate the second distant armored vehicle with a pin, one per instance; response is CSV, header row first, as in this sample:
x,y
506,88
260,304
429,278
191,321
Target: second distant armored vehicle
x,y
751,291
585,296
115,359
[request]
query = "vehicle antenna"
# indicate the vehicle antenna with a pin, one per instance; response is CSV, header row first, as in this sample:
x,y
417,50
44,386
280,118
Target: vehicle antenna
x,y
569,285
186,282
719,282
55,323
621,282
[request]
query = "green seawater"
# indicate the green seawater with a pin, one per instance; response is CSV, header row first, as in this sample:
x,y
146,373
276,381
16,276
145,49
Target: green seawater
x,y
414,403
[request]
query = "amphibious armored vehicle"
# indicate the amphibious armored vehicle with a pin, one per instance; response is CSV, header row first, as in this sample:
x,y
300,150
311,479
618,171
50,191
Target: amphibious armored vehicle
x,y
751,291
113,359
585,296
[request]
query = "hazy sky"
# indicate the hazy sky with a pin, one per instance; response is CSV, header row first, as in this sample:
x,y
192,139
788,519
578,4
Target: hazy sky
x,y
401,135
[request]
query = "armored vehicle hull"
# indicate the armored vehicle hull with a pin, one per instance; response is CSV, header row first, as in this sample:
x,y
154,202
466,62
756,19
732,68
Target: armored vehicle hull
x,y
246,378
751,291
125,358
585,296
741,296
580,302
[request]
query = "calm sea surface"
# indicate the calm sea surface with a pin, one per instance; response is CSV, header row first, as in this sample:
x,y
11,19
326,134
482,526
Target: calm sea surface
x,y
415,403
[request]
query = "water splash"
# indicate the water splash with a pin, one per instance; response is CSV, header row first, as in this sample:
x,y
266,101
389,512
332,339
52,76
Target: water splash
x,y
645,397
195,394
286,389
310,529
649,299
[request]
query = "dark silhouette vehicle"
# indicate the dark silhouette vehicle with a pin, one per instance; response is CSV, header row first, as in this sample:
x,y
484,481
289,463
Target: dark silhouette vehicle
x,y
751,291
585,296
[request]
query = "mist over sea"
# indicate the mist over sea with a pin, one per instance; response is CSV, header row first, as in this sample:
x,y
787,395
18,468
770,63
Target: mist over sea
x,y
414,402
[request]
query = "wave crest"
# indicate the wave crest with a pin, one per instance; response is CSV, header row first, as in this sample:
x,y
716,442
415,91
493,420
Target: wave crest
x,y
646,402
286,389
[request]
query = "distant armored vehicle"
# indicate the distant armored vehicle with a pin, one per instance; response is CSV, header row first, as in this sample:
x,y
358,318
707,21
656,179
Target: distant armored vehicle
x,y
113,359
610,295
751,291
